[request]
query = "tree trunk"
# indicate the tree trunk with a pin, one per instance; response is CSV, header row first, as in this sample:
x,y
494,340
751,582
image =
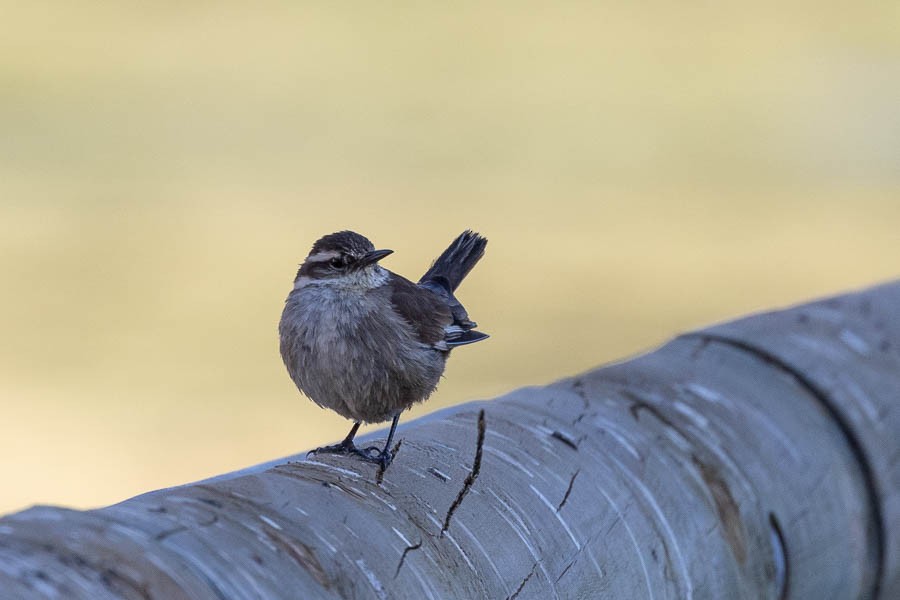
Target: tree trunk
x,y
755,459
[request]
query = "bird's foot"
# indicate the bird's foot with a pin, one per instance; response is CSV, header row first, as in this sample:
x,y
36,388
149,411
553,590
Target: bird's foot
x,y
374,454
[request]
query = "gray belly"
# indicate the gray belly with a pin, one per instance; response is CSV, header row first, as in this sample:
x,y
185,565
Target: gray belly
x,y
361,362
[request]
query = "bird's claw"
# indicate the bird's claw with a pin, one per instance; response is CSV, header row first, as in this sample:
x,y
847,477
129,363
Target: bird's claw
x,y
342,448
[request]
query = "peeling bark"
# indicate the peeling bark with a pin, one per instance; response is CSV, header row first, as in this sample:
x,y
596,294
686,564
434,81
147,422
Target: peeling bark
x,y
754,459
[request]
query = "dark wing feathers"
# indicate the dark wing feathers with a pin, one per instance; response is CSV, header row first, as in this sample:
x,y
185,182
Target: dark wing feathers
x,y
427,314
427,311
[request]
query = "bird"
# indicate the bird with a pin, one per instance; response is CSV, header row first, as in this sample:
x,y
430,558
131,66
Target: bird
x,y
368,343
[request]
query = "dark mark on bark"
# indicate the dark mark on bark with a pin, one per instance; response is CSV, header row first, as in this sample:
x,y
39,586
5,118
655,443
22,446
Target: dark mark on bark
x,y
578,388
406,551
516,593
865,306
92,570
565,439
340,485
779,571
302,554
472,476
695,354
568,491
638,404
70,559
169,532
726,508
114,582
438,474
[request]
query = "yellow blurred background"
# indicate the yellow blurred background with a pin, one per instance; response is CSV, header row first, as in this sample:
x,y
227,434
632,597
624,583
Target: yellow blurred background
x,y
640,169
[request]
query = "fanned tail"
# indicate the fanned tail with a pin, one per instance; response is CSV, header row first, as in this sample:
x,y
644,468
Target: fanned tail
x,y
452,266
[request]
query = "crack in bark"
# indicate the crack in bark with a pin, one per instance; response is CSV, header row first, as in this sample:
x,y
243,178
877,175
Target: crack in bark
x,y
585,546
568,491
516,593
471,477
566,570
406,551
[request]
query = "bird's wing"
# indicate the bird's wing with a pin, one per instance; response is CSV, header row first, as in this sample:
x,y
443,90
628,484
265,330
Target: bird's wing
x,y
428,315
434,321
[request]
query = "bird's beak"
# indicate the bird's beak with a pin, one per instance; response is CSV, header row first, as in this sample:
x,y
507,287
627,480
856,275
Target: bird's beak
x,y
372,257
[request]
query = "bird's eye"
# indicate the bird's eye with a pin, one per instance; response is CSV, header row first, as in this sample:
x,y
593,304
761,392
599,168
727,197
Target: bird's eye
x,y
337,263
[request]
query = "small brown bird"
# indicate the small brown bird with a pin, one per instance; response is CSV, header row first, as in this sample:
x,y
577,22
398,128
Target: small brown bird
x,y
368,343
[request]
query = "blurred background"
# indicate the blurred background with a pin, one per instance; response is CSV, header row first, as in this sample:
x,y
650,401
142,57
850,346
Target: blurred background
x,y
641,169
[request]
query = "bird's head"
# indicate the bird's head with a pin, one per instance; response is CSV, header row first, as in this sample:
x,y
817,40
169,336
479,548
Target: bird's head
x,y
343,259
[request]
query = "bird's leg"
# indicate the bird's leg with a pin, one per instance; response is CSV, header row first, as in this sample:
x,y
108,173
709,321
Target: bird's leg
x,y
382,457
345,447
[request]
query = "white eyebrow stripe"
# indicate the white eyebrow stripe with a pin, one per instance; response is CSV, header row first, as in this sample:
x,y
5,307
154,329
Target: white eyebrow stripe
x,y
323,256
301,282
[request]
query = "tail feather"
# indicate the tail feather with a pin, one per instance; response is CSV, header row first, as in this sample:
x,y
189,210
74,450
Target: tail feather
x,y
467,337
452,266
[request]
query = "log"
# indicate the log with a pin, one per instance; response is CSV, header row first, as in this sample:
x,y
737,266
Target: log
x,y
755,459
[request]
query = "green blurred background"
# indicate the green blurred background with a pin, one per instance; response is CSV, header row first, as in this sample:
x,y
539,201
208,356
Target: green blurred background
x,y
640,169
